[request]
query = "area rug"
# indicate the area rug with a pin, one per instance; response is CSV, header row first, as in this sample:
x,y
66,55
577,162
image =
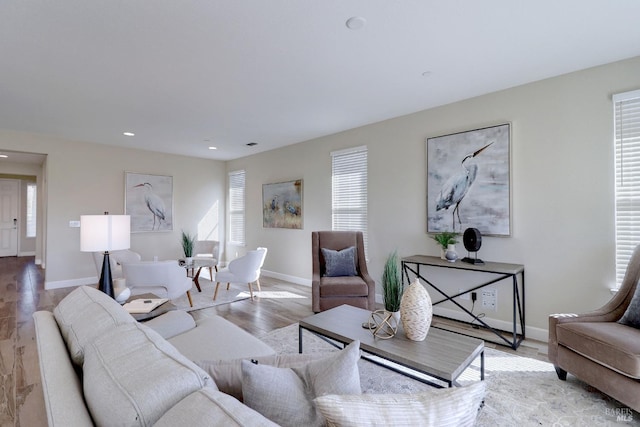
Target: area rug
x,y
204,299
520,391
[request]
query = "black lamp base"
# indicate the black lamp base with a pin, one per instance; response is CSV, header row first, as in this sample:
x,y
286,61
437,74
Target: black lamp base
x,y
106,283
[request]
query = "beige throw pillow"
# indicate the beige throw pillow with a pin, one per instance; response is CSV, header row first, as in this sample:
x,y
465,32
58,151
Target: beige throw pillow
x,y
285,395
447,407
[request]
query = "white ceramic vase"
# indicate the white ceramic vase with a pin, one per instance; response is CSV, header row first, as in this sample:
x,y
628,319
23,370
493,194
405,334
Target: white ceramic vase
x,y
451,255
416,311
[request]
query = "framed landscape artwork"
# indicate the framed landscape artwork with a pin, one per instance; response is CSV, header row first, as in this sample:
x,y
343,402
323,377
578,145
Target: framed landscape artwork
x,y
149,202
282,205
469,181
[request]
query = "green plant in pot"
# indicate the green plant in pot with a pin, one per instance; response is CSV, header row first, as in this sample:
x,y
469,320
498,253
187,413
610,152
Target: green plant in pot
x,y
392,283
444,239
187,241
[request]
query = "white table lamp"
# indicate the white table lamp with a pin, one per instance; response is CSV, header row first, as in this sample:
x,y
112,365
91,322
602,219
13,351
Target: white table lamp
x,y
105,233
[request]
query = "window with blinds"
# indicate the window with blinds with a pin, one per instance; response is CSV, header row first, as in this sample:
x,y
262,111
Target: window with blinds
x,y
627,146
349,190
236,207
31,210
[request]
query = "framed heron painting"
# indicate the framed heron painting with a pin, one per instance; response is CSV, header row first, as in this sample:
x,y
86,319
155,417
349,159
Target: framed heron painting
x,y
469,181
149,202
282,205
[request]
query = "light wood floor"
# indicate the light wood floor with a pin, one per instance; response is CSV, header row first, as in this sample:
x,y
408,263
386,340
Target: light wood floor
x,y
22,293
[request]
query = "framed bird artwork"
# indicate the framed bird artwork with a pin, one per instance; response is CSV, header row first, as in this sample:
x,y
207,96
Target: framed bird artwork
x,y
149,202
282,205
469,181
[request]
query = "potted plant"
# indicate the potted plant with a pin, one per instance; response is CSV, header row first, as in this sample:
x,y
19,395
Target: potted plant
x,y
392,284
444,239
187,246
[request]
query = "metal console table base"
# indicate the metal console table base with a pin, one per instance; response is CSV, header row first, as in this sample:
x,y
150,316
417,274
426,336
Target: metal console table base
x,y
502,270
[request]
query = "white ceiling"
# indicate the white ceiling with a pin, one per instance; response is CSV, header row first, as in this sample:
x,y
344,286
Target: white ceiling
x,y
184,75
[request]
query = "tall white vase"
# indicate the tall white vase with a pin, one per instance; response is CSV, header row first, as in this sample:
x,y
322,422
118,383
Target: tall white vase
x,y
416,311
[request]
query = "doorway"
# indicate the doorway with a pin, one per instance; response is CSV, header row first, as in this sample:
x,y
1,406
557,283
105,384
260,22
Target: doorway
x,y
9,198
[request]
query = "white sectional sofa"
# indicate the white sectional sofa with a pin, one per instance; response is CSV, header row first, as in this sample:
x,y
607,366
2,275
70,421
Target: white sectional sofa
x,y
101,367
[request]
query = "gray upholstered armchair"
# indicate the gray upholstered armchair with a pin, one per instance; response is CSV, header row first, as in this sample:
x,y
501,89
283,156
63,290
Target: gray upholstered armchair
x,y
332,288
599,349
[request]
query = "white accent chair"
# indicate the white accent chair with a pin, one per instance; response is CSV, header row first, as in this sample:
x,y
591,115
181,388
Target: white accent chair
x,y
166,279
209,251
245,269
116,259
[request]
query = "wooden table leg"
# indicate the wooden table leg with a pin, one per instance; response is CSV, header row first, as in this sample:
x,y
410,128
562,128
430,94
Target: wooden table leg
x,y
189,296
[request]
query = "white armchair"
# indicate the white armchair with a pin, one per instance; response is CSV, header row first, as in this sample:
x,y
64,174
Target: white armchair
x,y
207,252
116,259
245,269
165,279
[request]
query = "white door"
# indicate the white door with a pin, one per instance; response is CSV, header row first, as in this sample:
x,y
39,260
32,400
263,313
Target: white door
x,y
9,217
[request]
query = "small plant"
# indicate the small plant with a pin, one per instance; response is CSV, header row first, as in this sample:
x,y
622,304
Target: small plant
x,y
392,283
187,244
446,238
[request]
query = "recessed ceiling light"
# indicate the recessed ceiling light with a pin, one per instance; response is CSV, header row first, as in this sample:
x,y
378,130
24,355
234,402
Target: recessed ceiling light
x,y
426,74
251,144
128,134
3,156
355,22
213,148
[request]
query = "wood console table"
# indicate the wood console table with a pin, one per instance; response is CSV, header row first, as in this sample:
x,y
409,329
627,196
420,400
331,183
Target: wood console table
x,y
411,265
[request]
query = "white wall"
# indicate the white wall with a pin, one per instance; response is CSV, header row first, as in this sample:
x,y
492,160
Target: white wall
x,y
83,178
562,184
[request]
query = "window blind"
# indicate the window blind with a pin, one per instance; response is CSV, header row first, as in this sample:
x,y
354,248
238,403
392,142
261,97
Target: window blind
x,y
31,210
349,190
237,207
627,146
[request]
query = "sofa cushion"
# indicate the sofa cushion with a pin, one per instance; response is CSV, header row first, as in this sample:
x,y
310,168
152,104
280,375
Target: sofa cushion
x,y
631,316
131,376
340,263
171,323
209,407
285,395
83,315
231,341
353,286
608,343
453,407
227,374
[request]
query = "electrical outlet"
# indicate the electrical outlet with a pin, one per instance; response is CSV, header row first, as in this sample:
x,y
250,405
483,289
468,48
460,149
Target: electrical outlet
x,y
489,299
465,296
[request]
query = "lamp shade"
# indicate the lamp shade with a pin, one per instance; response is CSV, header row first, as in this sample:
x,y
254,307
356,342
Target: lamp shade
x,y
104,232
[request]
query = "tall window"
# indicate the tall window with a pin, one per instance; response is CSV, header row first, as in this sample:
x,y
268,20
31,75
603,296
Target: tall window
x,y
349,190
31,209
236,207
627,141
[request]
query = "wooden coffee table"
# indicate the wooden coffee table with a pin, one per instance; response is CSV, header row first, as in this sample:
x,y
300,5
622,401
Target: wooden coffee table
x,y
442,355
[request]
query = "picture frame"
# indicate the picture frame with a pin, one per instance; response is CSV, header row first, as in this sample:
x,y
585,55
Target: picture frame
x,y
282,205
469,181
149,202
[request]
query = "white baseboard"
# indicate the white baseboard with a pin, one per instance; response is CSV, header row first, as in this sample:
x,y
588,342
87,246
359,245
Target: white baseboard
x,y
58,284
27,253
292,279
531,332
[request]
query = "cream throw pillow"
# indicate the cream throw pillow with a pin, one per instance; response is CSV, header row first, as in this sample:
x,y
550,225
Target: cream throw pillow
x,y
285,395
454,407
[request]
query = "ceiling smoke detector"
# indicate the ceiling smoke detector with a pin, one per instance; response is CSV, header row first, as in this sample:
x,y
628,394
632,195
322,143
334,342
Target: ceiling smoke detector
x,y
355,22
